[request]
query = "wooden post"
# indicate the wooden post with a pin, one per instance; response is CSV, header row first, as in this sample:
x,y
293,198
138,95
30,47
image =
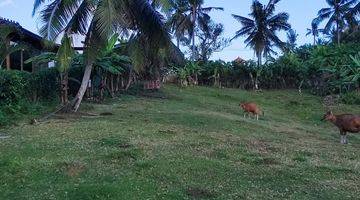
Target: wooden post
x,y
22,60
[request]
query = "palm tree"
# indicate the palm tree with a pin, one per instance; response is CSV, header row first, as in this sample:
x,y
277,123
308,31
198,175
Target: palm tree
x,y
352,17
179,22
336,13
186,15
97,20
291,40
262,27
200,16
314,31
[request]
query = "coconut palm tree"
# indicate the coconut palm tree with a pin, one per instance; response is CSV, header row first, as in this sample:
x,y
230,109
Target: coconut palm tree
x,y
199,15
97,20
352,17
338,13
291,40
261,29
186,15
179,22
314,31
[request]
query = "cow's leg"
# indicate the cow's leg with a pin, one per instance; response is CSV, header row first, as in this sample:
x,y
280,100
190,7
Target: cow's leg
x,y
343,139
257,117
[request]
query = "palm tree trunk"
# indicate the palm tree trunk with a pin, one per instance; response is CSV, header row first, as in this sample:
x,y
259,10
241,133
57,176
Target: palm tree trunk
x,y
259,59
338,32
129,80
8,61
64,87
22,60
193,33
314,40
83,87
256,84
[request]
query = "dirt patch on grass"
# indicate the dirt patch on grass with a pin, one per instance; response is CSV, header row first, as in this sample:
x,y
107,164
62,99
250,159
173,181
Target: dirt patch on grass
x,y
74,116
260,146
72,169
200,193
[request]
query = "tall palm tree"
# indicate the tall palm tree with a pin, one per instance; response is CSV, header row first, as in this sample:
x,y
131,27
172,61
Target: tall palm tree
x,y
97,20
352,16
179,22
186,15
291,40
199,15
337,13
261,29
314,31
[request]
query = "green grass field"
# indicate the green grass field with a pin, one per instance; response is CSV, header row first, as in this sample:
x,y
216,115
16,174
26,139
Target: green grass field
x,y
184,143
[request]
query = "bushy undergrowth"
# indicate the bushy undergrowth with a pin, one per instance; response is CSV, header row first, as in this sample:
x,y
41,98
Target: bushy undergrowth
x,y
22,92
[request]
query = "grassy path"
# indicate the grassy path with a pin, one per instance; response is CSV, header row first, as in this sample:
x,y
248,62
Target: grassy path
x,y
191,144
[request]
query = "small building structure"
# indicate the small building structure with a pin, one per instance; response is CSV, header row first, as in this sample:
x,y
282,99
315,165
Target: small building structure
x,y
34,46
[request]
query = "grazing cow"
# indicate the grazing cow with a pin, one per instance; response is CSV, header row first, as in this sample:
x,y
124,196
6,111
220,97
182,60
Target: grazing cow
x,y
345,123
251,108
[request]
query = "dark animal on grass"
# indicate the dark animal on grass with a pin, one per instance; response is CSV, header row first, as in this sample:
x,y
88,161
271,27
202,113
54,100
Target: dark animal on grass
x,y
345,122
251,108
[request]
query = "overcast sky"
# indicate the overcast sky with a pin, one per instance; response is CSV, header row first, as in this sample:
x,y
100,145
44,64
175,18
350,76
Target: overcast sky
x,y
301,13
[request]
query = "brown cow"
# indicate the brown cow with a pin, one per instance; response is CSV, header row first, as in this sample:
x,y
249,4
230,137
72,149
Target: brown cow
x,y
251,108
345,123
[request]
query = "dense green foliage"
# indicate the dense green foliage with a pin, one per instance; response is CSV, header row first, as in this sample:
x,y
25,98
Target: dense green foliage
x,y
324,70
192,143
21,92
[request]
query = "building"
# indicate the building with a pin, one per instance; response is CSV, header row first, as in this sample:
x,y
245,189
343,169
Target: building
x,y
34,46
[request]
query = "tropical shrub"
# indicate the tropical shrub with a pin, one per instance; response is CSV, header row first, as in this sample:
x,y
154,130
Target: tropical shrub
x,y
21,91
12,86
352,98
189,73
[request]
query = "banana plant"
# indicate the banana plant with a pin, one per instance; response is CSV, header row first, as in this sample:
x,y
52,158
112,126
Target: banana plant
x,y
63,61
110,67
64,58
351,73
194,70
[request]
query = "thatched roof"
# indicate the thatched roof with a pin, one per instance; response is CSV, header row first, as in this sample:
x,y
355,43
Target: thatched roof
x,y
239,60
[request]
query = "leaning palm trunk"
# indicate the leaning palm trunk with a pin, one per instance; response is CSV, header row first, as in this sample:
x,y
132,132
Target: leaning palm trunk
x,y
84,84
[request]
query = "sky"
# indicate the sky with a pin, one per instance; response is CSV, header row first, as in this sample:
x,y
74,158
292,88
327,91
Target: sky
x,y
301,13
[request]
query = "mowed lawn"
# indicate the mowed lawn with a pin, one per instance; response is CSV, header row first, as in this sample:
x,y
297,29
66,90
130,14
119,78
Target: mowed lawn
x,y
184,143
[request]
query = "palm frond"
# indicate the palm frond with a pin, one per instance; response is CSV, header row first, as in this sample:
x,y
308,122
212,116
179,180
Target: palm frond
x,y
55,17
